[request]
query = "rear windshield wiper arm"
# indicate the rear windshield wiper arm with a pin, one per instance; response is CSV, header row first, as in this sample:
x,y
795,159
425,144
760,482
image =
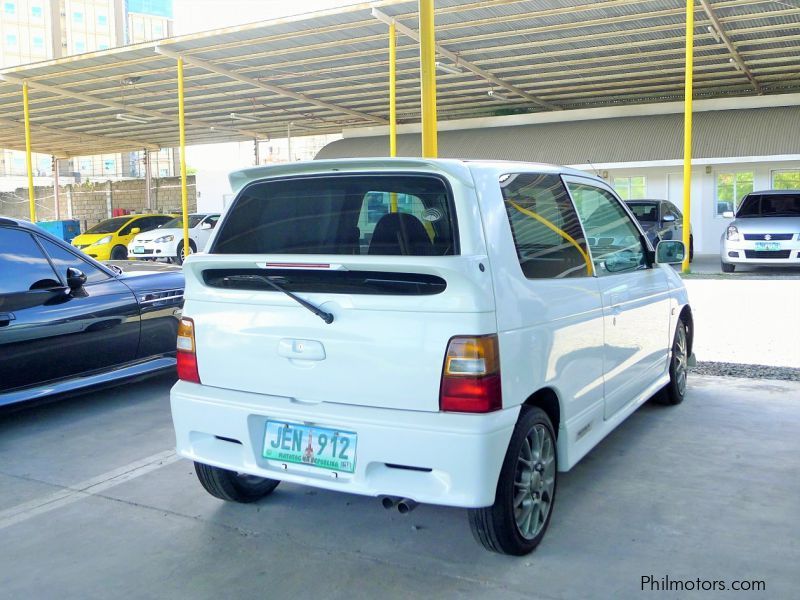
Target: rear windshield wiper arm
x,y
324,315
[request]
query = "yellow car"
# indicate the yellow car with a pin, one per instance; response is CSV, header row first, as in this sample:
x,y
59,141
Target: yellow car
x,y
108,240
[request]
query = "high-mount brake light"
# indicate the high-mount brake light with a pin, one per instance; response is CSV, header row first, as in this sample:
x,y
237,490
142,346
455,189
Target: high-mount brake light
x,y
471,375
187,356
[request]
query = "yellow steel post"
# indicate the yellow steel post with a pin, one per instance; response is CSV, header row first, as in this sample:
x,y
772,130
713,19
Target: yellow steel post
x,y
687,133
27,115
184,194
427,59
393,89
393,104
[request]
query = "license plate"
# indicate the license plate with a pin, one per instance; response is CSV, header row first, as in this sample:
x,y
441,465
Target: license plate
x,y
768,246
138,250
315,446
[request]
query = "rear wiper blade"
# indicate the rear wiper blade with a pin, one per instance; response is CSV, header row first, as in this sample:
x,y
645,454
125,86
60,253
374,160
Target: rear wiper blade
x,y
324,315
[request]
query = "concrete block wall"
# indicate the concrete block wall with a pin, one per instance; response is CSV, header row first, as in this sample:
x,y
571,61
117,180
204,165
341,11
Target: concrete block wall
x,y
92,202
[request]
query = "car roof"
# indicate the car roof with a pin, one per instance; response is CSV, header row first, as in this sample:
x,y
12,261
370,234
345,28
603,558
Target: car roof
x,y
643,200
773,192
457,168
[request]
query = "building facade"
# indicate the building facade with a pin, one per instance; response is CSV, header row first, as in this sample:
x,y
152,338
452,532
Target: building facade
x,y
38,30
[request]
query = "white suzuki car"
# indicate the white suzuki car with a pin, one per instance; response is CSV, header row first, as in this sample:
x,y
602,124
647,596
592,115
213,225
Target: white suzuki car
x,y
423,331
765,233
167,240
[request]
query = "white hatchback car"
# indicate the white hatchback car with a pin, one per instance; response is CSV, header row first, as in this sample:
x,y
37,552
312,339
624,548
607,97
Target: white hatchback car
x,y
167,240
431,331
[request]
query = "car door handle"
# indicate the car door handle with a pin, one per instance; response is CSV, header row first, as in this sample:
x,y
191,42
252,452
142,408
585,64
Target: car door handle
x,y
6,318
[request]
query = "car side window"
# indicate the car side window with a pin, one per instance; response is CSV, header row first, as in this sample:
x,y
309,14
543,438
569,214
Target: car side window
x,y
63,259
131,224
614,240
545,227
23,265
212,220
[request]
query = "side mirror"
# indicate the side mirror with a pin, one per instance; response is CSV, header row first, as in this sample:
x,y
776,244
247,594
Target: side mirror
x,y
670,252
205,225
728,214
136,230
668,219
75,278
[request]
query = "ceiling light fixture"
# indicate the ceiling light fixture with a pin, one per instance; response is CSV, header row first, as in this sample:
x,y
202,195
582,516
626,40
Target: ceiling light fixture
x,y
448,68
131,118
130,80
236,117
497,96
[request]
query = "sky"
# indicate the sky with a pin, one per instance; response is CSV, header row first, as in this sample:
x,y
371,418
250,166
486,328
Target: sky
x,y
192,16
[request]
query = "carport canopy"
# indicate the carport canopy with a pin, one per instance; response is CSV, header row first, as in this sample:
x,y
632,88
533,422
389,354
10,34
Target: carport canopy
x,y
327,71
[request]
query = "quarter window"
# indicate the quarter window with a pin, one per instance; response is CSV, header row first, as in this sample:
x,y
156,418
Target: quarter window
x,y
731,189
614,240
631,188
545,227
23,266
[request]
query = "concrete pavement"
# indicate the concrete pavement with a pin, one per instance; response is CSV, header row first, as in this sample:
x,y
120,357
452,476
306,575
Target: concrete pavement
x,y
707,490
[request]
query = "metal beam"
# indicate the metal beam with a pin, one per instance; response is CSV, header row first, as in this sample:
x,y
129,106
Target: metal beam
x,y
736,57
118,105
275,89
407,31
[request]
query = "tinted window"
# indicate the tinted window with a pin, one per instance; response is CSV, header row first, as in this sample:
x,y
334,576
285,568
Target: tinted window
x,y
645,211
613,238
23,266
342,214
177,222
109,226
63,259
770,205
545,227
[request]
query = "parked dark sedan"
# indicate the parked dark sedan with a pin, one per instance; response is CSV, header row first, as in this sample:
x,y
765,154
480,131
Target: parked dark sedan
x,y
68,321
661,220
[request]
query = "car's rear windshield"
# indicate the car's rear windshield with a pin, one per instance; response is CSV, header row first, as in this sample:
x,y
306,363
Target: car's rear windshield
x,y
109,226
376,214
770,205
644,211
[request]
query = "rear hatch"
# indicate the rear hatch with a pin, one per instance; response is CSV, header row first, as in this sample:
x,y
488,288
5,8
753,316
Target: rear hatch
x,y
379,252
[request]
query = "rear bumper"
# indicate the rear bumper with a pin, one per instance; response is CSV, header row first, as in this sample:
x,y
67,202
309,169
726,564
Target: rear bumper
x,y
457,457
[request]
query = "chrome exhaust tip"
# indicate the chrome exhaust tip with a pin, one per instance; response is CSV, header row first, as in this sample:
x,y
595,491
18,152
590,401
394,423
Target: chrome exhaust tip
x,y
406,505
389,501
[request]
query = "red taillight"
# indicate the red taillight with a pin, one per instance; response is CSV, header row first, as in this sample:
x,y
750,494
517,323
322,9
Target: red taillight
x,y
187,358
471,376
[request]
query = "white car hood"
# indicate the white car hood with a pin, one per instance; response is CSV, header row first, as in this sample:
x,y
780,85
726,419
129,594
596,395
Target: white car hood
x,y
157,233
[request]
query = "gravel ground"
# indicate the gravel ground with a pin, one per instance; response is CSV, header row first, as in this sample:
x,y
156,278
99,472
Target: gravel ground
x,y
725,369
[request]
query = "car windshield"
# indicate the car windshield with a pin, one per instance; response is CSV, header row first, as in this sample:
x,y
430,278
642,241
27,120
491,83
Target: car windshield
x,y
109,226
177,222
770,205
644,211
382,214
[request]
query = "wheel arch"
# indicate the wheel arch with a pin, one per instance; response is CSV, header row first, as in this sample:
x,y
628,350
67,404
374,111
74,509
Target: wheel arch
x,y
547,399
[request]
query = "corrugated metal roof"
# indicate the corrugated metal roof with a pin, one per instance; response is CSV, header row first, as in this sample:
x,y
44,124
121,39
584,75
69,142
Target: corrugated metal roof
x,y
568,53
717,134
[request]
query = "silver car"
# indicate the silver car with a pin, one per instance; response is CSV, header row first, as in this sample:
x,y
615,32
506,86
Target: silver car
x,y
765,232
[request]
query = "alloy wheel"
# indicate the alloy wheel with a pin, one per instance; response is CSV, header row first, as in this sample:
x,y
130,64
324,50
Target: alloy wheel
x,y
534,483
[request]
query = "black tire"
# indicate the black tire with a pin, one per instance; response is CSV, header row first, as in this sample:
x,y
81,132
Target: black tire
x,y
119,253
179,259
675,391
233,486
497,527
727,268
